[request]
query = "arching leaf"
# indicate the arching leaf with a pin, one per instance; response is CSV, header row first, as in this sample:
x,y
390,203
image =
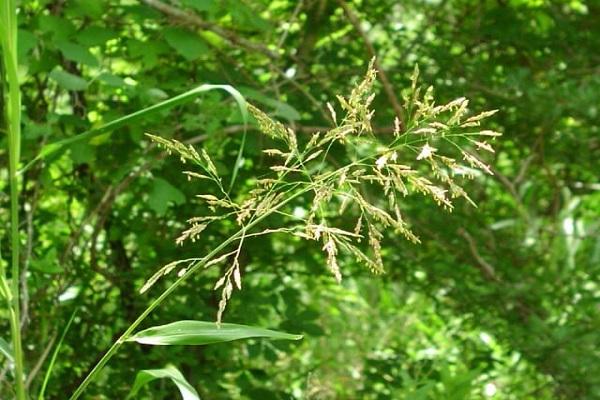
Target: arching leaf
x,y
203,332
170,372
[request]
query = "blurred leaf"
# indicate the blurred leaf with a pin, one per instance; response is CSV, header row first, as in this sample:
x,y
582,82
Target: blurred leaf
x,y
95,36
31,130
86,8
186,43
422,393
163,194
201,5
59,28
68,80
202,332
47,264
148,51
111,80
27,41
170,372
246,17
78,53
82,153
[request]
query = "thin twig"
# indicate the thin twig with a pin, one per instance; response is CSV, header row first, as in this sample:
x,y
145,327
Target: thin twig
x,y
38,365
485,267
293,18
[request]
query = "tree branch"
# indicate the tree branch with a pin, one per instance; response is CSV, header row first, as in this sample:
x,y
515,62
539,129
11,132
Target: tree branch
x,y
195,20
487,270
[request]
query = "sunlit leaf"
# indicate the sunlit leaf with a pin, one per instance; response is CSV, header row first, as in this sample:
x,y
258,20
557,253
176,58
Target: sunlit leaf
x,y
186,43
202,332
170,372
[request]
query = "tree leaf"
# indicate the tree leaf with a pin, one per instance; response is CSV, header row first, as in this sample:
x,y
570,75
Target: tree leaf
x,y
148,375
162,194
247,18
27,41
203,332
111,80
78,53
68,80
59,28
95,36
47,264
86,8
6,350
186,43
201,5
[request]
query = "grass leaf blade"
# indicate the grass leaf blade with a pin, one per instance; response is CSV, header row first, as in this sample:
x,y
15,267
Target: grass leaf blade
x,y
144,377
183,98
197,333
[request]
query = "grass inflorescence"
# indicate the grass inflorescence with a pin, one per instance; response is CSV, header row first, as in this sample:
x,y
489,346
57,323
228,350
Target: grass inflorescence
x,y
432,156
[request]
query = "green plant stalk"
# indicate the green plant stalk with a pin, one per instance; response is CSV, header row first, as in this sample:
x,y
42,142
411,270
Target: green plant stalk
x,y
13,118
236,236
119,342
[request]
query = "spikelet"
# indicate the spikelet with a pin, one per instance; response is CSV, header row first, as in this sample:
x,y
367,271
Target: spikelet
x,y
191,233
165,270
331,250
274,129
374,240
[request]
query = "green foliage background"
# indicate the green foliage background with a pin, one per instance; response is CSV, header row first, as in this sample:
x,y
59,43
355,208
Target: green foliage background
x,y
100,217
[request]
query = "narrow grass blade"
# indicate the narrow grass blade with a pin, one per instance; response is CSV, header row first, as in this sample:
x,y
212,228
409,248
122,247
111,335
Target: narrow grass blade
x,y
183,98
239,98
54,355
5,349
143,377
202,332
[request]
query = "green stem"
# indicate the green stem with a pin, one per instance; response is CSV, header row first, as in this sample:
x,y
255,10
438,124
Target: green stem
x,y
119,342
13,118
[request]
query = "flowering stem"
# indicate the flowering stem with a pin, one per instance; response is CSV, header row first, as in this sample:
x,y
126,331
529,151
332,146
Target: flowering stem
x,y
211,255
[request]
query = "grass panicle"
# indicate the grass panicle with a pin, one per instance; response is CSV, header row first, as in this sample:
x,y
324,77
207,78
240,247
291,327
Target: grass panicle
x,y
433,156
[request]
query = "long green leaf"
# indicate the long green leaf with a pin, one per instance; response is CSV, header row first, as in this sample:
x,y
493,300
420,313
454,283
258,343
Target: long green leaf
x,y
202,332
143,377
52,148
5,349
